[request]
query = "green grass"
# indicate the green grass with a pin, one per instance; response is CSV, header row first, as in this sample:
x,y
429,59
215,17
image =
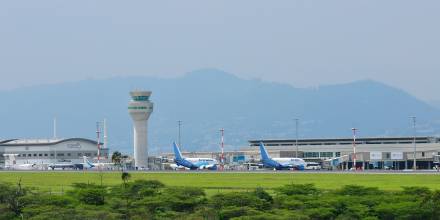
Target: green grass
x,y
223,182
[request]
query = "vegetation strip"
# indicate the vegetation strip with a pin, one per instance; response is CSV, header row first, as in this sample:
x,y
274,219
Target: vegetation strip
x,y
151,199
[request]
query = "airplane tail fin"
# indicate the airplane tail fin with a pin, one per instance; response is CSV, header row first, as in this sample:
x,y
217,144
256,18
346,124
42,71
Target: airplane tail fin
x,y
264,154
86,161
177,153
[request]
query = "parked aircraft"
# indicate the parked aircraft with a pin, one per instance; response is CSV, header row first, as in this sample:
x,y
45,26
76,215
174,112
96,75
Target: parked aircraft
x,y
27,166
193,163
280,163
64,166
11,163
89,165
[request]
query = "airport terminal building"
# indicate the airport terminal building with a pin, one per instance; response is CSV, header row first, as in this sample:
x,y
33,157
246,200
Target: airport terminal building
x,y
337,153
371,153
49,151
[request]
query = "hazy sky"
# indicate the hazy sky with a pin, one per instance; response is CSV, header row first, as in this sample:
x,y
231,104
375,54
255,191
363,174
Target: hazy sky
x,y
304,43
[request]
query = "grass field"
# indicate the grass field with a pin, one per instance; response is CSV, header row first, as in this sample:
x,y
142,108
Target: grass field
x,y
220,182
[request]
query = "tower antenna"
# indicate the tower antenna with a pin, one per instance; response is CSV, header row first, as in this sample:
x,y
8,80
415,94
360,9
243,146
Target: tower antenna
x,y
98,140
354,147
105,134
222,158
55,128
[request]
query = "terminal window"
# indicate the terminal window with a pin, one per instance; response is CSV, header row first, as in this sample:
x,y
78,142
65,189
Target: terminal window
x,y
311,154
68,154
141,98
40,155
326,154
45,155
35,155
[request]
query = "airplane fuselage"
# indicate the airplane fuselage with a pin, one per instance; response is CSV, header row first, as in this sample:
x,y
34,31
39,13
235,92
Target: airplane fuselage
x,y
287,163
197,163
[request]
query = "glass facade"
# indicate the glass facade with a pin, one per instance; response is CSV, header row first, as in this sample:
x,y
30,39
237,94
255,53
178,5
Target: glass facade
x,y
137,107
141,98
326,154
317,154
311,154
38,155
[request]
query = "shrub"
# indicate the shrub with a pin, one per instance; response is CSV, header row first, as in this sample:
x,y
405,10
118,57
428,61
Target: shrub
x,y
320,213
401,210
298,189
355,190
238,199
230,212
416,190
142,188
262,194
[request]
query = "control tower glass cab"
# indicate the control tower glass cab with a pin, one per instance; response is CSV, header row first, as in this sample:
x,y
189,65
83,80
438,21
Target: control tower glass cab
x,y
140,109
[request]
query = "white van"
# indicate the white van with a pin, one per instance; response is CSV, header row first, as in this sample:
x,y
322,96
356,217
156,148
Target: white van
x,y
313,166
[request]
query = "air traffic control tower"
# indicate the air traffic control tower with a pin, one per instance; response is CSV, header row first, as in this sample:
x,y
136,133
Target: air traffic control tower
x,y
140,109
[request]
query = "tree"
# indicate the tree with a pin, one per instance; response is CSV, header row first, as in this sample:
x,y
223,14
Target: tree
x,y
117,159
125,176
298,189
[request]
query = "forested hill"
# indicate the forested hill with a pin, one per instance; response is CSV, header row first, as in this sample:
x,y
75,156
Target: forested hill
x,y
207,100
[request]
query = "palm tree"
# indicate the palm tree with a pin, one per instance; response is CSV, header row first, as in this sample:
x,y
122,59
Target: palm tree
x,y
125,177
117,158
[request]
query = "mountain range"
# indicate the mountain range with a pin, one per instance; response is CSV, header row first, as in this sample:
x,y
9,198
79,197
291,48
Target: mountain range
x,y
207,100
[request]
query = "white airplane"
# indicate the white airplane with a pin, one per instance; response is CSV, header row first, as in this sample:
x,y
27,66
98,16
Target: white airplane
x,y
10,163
280,163
26,166
89,165
193,163
177,167
63,166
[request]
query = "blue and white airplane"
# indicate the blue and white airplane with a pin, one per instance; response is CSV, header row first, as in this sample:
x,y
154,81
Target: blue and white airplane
x,y
193,163
89,165
281,163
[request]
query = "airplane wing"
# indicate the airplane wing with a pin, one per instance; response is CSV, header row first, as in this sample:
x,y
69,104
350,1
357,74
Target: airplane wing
x,y
287,165
209,166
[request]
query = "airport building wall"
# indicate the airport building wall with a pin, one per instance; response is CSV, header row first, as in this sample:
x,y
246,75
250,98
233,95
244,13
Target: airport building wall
x,y
371,153
49,151
394,152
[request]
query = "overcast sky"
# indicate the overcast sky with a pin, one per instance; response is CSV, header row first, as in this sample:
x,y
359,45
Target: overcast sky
x,y
304,43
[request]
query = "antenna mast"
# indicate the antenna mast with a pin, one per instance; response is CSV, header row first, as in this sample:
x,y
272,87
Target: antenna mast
x,y
222,159
98,139
54,128
354,147
105,134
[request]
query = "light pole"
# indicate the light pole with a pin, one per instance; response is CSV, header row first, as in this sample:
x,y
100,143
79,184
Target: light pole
x,y
222,159
354,147
296,136
98,139
179,124
413,118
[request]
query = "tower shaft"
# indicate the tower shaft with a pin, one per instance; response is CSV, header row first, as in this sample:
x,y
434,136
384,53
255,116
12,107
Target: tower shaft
x,y
140,109
140,129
